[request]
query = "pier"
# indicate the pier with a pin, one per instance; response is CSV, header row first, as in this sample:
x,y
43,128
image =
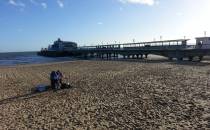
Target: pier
x,y
172,49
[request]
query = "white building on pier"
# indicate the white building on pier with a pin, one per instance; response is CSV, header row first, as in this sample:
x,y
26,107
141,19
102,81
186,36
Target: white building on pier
x,y
60,45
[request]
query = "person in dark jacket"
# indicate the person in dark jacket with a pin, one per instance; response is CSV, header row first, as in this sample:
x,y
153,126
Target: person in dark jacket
x,y
53,79
60,76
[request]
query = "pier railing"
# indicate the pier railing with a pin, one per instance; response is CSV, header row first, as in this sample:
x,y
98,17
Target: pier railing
x,y
154,45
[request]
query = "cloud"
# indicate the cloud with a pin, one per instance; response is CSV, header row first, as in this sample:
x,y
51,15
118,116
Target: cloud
x,y
60,3
144,2
44,5
33,2
179,14
12,2
15,3
100,23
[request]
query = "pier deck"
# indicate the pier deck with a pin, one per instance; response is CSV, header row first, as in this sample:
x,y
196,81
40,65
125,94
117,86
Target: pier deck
x,y
169,48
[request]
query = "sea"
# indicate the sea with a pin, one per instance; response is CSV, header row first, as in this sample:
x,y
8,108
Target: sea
x,y
22,58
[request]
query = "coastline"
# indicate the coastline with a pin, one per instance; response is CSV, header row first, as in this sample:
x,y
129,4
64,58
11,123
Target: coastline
x,y
107,95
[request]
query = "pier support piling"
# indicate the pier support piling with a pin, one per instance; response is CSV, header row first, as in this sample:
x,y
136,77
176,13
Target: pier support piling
x,y
170,58
133,56
190,58
200,58
146,56
137,56
141,56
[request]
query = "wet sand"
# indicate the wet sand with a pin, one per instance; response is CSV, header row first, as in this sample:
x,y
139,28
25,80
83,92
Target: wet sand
x,y
108,95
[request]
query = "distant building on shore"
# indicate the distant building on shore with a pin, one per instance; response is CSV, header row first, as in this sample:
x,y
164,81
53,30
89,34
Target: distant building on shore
x,y
203,42
60,45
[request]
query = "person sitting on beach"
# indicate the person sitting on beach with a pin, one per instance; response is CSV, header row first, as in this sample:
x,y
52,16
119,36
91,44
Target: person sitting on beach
x,y
54,79
60,76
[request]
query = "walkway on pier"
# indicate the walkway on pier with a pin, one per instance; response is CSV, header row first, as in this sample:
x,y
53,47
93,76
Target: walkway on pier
x,y
168,48
154,45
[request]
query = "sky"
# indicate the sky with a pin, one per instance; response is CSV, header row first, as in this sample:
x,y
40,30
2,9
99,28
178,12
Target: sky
x,y
29,25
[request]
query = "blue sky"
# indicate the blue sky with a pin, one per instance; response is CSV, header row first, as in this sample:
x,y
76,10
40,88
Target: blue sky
x,y
28,25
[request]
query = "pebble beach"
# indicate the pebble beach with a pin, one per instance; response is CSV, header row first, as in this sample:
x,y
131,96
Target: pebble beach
x,y
107,95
